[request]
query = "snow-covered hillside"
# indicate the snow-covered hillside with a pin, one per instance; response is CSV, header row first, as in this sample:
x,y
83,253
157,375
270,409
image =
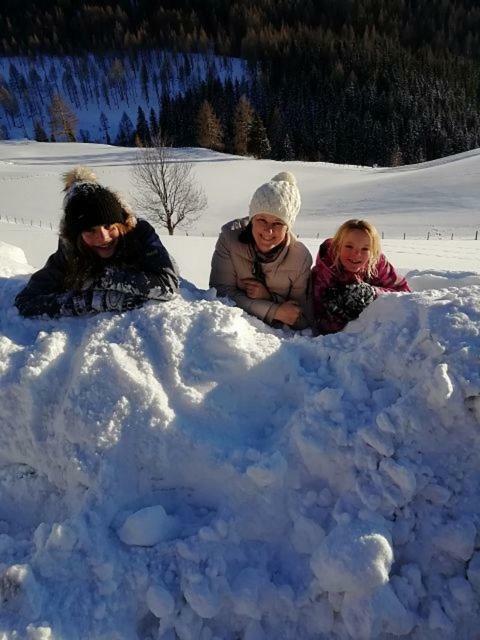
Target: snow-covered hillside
x,y
110,84
183,471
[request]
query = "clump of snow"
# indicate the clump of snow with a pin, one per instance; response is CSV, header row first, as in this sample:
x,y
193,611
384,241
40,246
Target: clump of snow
x,y
353,557
148,527
266,484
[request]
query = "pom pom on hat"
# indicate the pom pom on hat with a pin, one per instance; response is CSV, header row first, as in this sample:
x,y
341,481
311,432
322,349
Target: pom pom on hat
x,y
279,197
284,176
78,174
88,204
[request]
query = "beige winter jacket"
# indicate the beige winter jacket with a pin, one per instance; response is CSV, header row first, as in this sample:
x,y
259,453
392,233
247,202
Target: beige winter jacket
x,y
287,277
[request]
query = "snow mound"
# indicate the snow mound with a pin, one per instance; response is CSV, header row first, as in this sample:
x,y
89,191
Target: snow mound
x,y
287,487
13,260
420,280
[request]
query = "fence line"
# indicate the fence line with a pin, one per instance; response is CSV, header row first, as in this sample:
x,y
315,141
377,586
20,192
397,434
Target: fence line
x,y
452,237
41,224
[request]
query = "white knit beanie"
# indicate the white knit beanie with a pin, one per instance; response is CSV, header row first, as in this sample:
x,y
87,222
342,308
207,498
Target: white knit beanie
x,y
280,198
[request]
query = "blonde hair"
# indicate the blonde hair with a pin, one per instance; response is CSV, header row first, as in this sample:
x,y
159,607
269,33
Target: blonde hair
x,y
358,225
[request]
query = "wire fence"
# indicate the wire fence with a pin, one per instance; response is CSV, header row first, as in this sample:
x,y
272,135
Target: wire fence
x,y
42,224
427,236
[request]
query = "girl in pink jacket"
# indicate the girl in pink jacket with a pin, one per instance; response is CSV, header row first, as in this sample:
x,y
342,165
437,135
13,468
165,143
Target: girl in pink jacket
x,y
349,273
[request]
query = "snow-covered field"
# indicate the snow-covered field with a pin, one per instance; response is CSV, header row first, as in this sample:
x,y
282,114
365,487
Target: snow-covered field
x,y
182,471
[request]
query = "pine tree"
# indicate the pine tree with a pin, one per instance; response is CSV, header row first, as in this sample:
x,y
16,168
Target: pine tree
x,y
63,120
144,81
39,131
142,130
9,103
242,124
288,151
209,129
105,127
126,132
276,134
154,128
258,144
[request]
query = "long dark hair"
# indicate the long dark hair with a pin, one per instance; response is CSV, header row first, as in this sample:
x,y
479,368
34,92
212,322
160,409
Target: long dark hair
x,y
83,264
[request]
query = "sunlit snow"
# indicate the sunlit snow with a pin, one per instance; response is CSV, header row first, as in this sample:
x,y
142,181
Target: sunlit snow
x,y
185,471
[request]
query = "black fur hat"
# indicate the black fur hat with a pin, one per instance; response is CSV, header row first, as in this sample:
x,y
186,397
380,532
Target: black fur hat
x,y
87,204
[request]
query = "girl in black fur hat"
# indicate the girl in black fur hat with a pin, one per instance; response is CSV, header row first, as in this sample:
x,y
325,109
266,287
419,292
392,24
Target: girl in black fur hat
x,y
107,259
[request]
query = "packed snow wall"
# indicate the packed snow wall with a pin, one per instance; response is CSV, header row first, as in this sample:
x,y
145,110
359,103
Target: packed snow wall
x,y
184,471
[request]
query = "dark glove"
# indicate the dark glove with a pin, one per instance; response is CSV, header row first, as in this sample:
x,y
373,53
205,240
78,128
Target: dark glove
x,y
117,279
347,302
115,300
75,303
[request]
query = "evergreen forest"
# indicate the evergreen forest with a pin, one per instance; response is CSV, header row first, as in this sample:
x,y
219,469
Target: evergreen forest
x,y
384,82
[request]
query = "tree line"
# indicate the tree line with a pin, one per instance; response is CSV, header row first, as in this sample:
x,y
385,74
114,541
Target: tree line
x,y
355,81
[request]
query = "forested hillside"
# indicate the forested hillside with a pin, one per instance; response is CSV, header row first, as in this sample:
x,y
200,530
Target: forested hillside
x,y
355,81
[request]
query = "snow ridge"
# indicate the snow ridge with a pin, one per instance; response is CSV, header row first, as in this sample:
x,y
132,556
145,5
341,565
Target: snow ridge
x,y
183,471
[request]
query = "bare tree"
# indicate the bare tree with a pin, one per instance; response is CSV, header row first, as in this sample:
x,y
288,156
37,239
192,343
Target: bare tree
x,y
169,192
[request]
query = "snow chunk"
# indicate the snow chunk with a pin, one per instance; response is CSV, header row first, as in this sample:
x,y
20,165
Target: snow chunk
x,y
204,600
381,442
403,477
160,601
354,558
148,527
440,387
269,471
438,619
457,538
12,260
19,591
367,616
246,591
306,535
39,633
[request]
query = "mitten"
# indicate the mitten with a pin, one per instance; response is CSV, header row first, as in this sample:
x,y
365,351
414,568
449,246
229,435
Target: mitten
x,y
115,300
348,302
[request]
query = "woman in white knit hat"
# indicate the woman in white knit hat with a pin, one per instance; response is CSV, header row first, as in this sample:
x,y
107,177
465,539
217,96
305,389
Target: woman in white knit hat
x,y
258,262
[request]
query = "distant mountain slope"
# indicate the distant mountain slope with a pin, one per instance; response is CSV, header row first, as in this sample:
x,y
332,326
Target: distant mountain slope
x,y
384,82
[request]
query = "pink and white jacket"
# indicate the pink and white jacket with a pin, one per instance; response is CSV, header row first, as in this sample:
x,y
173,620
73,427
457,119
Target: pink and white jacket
x,y
326,274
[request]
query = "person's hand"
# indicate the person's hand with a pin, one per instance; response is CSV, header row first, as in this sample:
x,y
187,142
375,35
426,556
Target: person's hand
x,y
105,300
288,313
348,301
255,289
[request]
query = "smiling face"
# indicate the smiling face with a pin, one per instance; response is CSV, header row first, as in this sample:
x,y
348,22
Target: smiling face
x,y
268,231
102,240
355,251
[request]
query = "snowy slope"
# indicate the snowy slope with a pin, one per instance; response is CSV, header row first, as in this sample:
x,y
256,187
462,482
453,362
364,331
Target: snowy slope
x,y
111,84
182,471
440,196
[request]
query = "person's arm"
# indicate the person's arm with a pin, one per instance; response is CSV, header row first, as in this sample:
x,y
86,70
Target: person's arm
x,y
45,294
223,277
323,284
155,275
387,279
45,291
300,292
